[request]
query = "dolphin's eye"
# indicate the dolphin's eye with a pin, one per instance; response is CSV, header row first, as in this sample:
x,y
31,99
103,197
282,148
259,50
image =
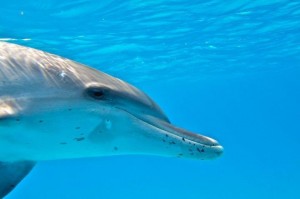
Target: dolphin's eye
x,y
95,92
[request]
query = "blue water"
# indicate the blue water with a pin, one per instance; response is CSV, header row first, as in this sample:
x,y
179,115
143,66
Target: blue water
x,y
227,69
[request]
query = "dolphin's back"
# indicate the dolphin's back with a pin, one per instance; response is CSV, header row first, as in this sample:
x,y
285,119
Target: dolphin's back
x,y
26,66
23,68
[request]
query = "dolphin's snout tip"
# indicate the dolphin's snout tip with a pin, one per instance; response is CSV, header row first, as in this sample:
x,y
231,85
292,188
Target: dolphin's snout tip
x,y
219,150
216,149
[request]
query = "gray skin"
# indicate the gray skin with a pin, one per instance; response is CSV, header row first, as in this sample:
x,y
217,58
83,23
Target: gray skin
x,y
54,108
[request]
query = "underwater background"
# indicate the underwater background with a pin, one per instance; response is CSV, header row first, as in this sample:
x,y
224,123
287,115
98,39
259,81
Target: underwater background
x,y
226,69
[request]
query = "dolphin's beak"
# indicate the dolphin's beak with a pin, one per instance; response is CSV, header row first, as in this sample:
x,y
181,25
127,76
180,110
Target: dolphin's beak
x,y
199,142
187,144
170,140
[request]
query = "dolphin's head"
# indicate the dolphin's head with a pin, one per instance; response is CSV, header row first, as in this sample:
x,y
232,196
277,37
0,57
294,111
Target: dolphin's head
x,y
129,122
116,118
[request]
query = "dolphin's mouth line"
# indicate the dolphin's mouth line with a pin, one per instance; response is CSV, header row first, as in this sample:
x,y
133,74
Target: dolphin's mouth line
x,y
175,132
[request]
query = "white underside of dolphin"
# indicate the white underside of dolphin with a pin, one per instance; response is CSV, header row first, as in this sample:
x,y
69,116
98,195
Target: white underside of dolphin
x,y
54,108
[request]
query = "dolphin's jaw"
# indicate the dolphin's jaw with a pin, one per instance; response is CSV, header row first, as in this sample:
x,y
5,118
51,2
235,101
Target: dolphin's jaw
x,y
163,139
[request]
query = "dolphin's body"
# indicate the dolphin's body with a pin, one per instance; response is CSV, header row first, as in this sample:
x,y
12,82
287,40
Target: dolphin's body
x,y
54,108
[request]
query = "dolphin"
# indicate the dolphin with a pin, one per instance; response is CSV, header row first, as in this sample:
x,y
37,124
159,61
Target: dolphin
x,y
54,108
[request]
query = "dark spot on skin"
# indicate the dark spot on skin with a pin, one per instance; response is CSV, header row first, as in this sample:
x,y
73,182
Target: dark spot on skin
x,y
200,151
183,139
12,185
63,143
115,148
192,153
172,142
190,150
17,119
163,140
69,109
79,139
180,154
41,121
77,128
167,135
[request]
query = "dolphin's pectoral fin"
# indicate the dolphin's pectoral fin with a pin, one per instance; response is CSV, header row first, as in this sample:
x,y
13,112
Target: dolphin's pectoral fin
x,y
8,107
11,174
